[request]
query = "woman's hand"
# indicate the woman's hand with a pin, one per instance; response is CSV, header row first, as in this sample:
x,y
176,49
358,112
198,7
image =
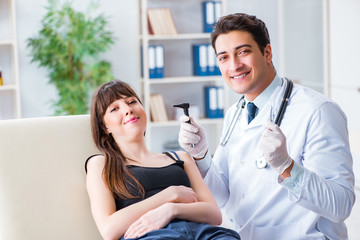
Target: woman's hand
x,y
159,217
181,194
152,220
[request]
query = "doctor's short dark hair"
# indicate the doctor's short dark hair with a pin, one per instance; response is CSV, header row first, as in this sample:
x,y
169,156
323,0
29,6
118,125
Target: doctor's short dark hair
x,y
242,22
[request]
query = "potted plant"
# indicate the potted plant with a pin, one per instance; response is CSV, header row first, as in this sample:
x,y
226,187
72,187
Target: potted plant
x,y
68,45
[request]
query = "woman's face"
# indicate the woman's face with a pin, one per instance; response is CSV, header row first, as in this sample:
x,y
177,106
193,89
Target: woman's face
x,y
125,119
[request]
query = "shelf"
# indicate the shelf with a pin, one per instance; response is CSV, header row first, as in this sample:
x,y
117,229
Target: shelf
x,y
7,87
178,66
10,65
181,36
190,79
203,121
5,42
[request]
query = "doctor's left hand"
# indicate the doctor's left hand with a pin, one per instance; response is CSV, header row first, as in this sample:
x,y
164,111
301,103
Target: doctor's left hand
x,y
273,146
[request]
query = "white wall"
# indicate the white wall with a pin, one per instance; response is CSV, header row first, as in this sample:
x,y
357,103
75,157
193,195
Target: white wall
x,y
345,83
36,93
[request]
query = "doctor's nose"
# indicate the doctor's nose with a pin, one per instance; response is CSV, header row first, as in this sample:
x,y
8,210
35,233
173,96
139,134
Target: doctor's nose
x,y
235,64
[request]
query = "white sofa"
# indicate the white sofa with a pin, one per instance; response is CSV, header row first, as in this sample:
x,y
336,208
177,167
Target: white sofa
x,y
42,179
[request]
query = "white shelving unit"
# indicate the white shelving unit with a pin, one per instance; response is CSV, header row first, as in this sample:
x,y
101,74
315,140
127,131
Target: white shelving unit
x,y
9,92
178,85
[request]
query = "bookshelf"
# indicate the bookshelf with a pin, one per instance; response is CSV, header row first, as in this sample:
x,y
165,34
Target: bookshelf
x,y
178,84
9,90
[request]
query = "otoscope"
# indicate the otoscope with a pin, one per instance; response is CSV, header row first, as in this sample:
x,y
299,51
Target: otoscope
x,y
185,107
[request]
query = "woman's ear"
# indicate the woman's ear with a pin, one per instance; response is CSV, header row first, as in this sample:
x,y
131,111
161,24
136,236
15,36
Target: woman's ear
x,y
107,130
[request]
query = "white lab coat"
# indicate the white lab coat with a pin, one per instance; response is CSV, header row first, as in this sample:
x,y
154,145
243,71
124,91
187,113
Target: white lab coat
x,y
317,202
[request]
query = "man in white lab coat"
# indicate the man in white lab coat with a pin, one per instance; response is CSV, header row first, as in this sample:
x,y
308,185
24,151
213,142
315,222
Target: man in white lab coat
x,y
304,187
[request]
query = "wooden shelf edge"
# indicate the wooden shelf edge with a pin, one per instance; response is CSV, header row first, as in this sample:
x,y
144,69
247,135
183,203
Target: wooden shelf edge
x,y
6,42
7,87
184,79
181,36
172,123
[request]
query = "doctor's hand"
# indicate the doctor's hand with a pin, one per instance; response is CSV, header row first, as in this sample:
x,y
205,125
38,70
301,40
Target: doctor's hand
x,y
273,146
192,138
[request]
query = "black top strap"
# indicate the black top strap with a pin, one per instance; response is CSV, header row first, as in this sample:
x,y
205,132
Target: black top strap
x,y
87,160
172,157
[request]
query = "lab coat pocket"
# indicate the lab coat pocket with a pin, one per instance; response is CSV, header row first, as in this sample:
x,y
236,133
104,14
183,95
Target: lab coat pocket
x,y
288,231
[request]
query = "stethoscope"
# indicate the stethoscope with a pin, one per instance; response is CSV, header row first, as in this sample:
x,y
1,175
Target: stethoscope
x,y
260,161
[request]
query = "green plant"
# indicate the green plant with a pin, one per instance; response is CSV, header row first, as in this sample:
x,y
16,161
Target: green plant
x,y
68,45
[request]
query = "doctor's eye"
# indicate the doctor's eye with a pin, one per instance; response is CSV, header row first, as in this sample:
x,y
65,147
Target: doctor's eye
x,y
221,58
244,51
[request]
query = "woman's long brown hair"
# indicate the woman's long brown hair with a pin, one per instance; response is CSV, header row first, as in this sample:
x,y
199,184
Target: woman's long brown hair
x,y
115,173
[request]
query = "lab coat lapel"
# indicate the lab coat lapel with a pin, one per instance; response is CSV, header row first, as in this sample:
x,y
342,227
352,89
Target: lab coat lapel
x,y
270,110
262,117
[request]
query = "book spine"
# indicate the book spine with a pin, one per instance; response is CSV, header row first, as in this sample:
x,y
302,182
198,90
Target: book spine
x,y
217,10
151,61
156,61
214,102
211,59
220,102
200,65
208,16
159,61
211,102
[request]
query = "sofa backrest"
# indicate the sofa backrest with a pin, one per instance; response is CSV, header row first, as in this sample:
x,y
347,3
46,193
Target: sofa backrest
x,y
42,179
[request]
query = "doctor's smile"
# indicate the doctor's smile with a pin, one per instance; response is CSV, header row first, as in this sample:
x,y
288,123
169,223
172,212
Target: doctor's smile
x,y
242,76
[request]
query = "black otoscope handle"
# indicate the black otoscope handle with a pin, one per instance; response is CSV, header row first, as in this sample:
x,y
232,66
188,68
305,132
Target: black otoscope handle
x,y
186,112
185,107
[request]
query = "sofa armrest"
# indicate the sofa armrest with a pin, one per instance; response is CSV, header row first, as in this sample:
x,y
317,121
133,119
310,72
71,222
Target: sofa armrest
x,y
42,178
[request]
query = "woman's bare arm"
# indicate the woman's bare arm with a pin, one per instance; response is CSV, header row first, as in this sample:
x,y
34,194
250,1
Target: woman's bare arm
x,y
113,224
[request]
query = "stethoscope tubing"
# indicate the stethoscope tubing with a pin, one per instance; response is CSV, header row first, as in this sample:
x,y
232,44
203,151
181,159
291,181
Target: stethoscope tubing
x,y
278,119
234,119
284,102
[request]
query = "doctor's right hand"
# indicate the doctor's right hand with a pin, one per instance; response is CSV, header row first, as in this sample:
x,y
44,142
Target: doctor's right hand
x,y
192,138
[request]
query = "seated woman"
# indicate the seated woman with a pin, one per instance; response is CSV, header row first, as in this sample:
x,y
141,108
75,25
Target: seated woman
x,y
139,194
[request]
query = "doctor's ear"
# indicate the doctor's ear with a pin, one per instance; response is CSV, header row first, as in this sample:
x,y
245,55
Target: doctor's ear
x,y
268,53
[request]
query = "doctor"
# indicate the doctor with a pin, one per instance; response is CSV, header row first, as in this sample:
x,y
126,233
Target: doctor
x,y
304,187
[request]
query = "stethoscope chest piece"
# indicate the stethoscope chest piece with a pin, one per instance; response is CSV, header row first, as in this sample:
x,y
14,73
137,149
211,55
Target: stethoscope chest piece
x,y
261,162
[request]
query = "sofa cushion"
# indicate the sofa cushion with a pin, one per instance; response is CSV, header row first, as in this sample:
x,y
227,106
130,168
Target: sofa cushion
x,y
42,178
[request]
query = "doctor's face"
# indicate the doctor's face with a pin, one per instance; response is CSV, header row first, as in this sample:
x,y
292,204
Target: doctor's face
x,y
243,66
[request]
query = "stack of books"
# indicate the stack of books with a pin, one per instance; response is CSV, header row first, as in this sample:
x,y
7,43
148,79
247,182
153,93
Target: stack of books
x,y
211,13
160,22
204,60
157,108
214,101
156,61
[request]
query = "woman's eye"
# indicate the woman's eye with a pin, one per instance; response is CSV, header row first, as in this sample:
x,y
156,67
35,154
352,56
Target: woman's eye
x,y
114,109
133,101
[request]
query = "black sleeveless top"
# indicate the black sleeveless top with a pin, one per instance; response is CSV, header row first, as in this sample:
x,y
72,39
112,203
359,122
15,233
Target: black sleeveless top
x,y
154,180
